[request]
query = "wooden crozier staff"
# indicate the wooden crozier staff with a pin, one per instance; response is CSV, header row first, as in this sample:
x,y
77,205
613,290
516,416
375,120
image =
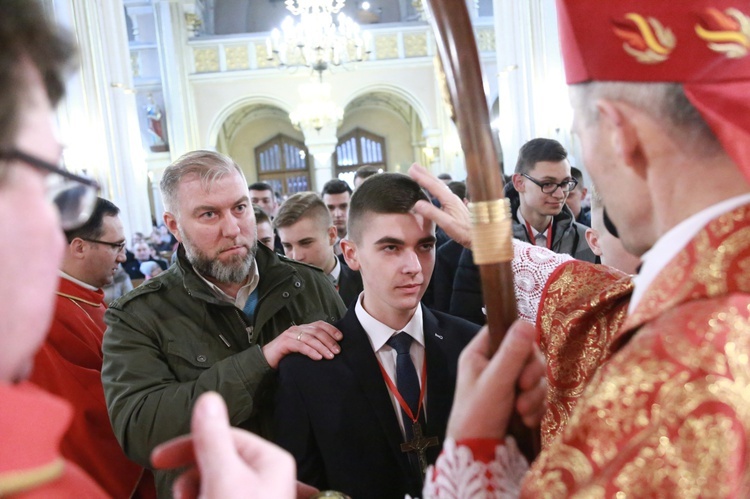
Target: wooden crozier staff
x,y
491,220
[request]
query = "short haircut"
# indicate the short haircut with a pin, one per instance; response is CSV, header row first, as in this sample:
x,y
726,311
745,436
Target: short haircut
x,y
335,186
445,176
261,186
458,188
536,150
367,171
302,205
260,215
208,166
93,228
387,193
27,33
666,102
578,175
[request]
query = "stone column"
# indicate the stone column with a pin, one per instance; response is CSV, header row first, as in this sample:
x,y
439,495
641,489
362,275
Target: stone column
x,y
532,93
98,119
172,37
321,143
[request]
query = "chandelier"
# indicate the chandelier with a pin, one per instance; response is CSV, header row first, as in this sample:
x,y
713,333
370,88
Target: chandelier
x,y
316,41
317,110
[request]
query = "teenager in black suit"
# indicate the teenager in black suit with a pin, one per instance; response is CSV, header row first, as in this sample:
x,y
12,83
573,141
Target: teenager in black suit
x,y
341,418
308,235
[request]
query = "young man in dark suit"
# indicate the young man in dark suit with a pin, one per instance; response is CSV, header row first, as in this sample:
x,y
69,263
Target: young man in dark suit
x,y
308,235
354,423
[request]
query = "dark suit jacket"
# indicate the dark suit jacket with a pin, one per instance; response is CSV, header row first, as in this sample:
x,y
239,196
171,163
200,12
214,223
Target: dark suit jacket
x,y
446,265
337,419
350,283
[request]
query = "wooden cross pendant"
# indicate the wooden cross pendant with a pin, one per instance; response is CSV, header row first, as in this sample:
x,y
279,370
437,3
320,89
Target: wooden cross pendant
x,y
419,443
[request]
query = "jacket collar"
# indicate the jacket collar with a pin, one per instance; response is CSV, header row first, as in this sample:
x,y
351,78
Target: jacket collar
x,y
270,267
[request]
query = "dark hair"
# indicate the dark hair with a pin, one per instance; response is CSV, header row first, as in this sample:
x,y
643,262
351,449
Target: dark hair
x,y
261,186
366,171
335,186
536,150
92,229
578,175
27,32
445,176
458,188
260,215
385,193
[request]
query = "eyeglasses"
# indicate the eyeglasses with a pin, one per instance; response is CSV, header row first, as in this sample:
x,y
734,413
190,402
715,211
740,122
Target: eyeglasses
x,y
74,196
551,187
118,246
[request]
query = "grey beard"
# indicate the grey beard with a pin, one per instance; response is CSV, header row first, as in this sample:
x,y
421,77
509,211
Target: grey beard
x,y
234,272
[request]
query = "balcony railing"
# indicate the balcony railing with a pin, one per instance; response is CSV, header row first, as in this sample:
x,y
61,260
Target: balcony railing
x,y
224,54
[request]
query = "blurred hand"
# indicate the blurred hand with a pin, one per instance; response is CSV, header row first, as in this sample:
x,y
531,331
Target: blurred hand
x,y
453,215
225,462
486,386
317,340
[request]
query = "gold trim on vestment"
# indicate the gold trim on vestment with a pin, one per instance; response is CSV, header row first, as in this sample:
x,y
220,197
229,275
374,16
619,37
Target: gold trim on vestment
x,y
18,481
76,298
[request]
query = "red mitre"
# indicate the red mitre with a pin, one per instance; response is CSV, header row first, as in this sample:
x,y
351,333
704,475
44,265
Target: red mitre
x,y
703,44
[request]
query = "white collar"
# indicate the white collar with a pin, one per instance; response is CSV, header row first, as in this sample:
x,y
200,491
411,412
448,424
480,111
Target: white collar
x,y
77,281
335,273
379,333
674,241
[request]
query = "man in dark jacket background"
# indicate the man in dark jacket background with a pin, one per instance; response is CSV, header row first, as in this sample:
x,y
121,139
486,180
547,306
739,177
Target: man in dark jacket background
x,y
220,319
537,194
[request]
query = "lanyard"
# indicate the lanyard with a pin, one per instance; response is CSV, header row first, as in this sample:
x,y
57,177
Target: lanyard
x,y
548,235
394,390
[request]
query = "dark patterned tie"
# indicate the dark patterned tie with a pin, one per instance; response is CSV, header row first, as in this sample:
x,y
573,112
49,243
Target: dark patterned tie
x,y
407,384
407,381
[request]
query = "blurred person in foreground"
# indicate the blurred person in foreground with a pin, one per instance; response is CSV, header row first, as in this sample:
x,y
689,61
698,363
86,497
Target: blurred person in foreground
x,y
34,56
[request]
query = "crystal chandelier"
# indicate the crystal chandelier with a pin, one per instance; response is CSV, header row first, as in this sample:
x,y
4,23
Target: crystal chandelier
x,y
317,110
316,41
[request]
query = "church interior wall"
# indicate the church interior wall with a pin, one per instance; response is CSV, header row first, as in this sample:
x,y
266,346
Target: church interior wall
x,y
384,122
254,133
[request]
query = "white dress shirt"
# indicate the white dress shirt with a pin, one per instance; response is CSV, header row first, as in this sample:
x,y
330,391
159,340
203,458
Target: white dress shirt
x,y
378,334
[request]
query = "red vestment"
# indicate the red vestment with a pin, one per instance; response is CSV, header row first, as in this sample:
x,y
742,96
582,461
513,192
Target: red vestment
x,y
69,365
32,423
657,407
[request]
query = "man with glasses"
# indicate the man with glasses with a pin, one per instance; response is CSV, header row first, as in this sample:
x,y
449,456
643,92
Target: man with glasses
x,y
36,199
541,182
69,363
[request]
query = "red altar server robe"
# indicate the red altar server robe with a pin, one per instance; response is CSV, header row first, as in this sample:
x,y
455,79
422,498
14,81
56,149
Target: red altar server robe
x,y
32,423
69,364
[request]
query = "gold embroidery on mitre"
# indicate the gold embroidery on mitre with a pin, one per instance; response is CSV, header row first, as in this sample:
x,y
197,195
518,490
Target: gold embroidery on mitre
x,y
732,36
650,43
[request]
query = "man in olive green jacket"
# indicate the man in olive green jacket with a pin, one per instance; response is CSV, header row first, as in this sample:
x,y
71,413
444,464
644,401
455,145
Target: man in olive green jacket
x,y
220,319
